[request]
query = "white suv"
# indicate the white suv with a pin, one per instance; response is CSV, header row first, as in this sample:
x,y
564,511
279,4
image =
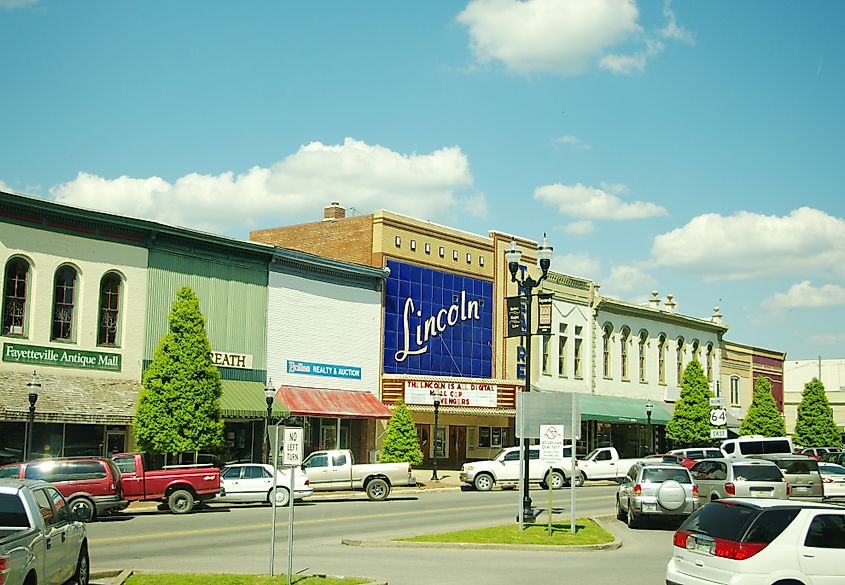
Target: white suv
x,y
503,470
759,542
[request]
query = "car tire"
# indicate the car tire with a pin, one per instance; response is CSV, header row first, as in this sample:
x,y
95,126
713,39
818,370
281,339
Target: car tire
x,y
378,490
620,513
82,574
580,479
483,482
180,502
633,521
82,502
556,479
282,497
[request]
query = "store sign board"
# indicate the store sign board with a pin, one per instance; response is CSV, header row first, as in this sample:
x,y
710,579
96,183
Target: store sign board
x,y
61,357
437,323
225,359
330,370
451,393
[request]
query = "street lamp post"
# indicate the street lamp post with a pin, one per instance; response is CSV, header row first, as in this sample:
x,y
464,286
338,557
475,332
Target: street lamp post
x,y
269,395
33,386
527,285
649,407
434,442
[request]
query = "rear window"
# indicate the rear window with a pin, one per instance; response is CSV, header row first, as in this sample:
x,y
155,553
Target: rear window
x,y
757,473
11,471
764,447
721,520
82,470
798,467
660,475
768,525
12,513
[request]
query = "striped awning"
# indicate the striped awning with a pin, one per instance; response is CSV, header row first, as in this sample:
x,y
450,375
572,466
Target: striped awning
x,y
246,400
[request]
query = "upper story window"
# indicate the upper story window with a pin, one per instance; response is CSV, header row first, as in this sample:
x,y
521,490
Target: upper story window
x,y
546,357
15,292
661,358
397,241
469,258
579,351
413,245
427,248
680,363
642,344
109,310
735,390
455,255
624,340
481,260
607,333
64,299
442,251
709,362
561,352
696,351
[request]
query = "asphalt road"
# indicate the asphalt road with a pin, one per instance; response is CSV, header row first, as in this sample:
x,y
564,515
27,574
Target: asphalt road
x,y
236,539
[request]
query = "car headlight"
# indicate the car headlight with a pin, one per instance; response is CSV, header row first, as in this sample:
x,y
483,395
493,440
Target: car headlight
x,y
468,467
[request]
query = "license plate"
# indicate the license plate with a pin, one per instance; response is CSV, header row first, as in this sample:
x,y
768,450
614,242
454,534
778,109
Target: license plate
x,y
800,489
647,507
761,489
700,545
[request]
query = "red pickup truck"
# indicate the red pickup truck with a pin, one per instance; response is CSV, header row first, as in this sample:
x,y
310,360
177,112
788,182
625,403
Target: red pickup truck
x,y
179,487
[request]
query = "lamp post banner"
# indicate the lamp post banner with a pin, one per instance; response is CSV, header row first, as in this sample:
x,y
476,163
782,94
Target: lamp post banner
x,y
544,314
516,324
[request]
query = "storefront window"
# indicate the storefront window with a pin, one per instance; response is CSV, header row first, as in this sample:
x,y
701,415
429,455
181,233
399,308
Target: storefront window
x,y
46,440
12,436
493,437
83,440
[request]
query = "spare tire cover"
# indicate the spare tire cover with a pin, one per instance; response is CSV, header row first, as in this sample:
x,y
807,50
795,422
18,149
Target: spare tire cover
x,y
671,495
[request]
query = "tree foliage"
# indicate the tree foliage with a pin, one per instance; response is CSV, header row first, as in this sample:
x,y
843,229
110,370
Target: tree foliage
x,y
815,426
179,406
763,416
690,424
402,443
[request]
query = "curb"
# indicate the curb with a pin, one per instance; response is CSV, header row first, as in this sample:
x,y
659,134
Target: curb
x,y
117,577
612,545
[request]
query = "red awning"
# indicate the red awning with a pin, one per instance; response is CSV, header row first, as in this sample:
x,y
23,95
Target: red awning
x,y
332,403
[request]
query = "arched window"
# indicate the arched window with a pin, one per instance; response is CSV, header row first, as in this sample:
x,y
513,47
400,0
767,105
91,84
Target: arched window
x,y
15,291
624,340
680,362
107,333
64,299
607,332
735,390
696,354
641,350
661,358
709,360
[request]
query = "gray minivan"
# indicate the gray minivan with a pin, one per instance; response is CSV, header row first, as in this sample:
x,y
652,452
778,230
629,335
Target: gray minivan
x,y
801,473
740,478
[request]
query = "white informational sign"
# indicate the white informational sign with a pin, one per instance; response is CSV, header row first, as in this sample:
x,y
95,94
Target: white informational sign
x,y
551,443
718,417
717,400
451,393
718,433
293,446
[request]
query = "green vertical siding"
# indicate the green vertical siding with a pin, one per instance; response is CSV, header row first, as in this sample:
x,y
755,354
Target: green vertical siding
x,y
233,298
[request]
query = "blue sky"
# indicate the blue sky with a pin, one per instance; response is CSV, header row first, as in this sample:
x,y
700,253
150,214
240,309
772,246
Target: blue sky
x,y
689,147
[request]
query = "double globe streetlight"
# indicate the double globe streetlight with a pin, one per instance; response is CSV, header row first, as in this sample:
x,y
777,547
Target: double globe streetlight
x,y
513,256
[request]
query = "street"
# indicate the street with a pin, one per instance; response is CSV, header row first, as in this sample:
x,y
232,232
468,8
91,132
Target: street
x,y
236,539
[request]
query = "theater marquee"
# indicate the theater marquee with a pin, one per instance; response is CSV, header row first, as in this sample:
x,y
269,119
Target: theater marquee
x,y
451,393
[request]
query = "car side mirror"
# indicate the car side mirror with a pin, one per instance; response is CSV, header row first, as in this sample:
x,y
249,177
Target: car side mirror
x,y
81,514
622,480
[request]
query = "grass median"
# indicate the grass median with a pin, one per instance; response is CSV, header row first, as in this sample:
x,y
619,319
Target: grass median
x,y
588,532
229,579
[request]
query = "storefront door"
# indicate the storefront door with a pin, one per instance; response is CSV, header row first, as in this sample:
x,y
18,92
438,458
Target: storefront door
x,y
457,445
115,443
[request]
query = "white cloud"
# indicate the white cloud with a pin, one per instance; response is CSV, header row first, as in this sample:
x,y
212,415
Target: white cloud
x,y
572,141
626,280
827,339
580,228
805,295
357,174
560,36
748,245
591,202
582,265
12,4
633,63
672,30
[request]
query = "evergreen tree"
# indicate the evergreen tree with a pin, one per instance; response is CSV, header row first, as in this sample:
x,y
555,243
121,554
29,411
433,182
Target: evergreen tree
x,y
815,426
179,406
690,424
402,443
763,416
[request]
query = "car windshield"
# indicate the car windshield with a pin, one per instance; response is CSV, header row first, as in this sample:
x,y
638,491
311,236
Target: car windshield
x,y
832,469
590,454
499,454
659,475
757,473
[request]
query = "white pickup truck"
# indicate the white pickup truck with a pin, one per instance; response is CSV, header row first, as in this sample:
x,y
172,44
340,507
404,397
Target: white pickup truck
x,y
503,470
604,463
335,470
41,539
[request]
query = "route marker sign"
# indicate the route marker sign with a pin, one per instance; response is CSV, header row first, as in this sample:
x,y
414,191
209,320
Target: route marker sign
x,y
718,417
718,433
717,400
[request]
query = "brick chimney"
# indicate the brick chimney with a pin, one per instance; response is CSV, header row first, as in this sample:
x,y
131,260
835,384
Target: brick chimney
x,y
334,211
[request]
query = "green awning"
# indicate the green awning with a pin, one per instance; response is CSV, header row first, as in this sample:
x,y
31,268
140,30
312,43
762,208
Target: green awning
x,y
622,410
246,400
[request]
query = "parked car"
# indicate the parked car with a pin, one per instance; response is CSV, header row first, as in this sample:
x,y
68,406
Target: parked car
x,y
336,470
756,445
41,539
503,469
801,473
603,463
817,452
698,453
253,482
670,458
653,489
763,542
85,482
837,457
833,479
179,487
748,478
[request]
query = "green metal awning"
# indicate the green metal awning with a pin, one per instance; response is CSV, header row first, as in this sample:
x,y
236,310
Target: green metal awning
x,y
622,410
246,400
